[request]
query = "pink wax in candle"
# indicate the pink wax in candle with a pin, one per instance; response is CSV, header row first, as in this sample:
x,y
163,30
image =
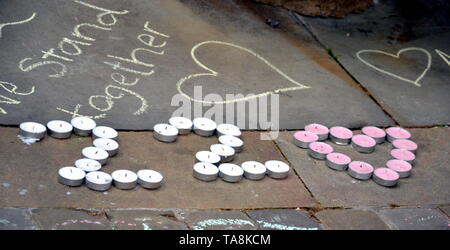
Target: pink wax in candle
x,y
373,132
338,158
341,132
316,128
405,144
361,167
386,174
403,154
399,165
321,147
364,141
306,136
398,133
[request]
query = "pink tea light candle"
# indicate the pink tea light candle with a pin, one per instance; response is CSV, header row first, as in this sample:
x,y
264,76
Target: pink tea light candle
x,y
319,150
403,154
403,168
360,170
302,139
320,130
376,133
396,133
385,177
337,161
405,144
340,135
363,143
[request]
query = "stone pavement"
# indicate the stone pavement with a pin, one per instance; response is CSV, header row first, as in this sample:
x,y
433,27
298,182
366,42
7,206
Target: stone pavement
x,y
345,90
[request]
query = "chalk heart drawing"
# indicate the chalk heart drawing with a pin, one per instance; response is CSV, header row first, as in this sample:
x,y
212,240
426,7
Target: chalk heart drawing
x,y
397,56
212,73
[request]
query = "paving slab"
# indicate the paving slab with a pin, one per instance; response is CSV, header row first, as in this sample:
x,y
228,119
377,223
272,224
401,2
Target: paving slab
x,y
415,219
66,219
218,220
16,219
399,51
428,184
121,64
351,219
144,220
283,219
31,171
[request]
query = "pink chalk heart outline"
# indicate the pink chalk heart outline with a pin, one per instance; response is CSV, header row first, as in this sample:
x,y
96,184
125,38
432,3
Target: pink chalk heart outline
x,y
213,73
397,56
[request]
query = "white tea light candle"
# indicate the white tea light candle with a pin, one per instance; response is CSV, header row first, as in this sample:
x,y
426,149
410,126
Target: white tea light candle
x,y
95,153
183,124
165,132
233,142
149,179
124,179
32,130
104,132
254,170
207,156
98,181
225,152
83,126
205,171
204,126
277,169
228,129
59,129
109,145
71,176
88,165
230,172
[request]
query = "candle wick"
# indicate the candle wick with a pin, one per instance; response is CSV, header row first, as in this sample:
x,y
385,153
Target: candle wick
x,y
70,170
165,128
125,174
98,177
104,131
96,152
60,125
107,144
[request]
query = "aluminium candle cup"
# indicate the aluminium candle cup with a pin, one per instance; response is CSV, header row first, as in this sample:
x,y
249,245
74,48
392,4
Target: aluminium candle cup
x,y
319,150
405,144
302,139
183,124
109,145
363,143
95,153
378,134
88,165
105,132
204,127
403,168
228,129
277,169
360,170
124,179
337,161
83,126
230,172
385,177
150,179
165,132
98,181
59,129
205,171
254,170
225,152
207,156
396,133
320,130
233,142
71,176
403,154
340,135
32,130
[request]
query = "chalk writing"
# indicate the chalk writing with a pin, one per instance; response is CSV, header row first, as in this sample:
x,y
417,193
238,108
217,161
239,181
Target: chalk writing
x,y
266,224
213,73
444,56
2,25
416,81
201,225
11,88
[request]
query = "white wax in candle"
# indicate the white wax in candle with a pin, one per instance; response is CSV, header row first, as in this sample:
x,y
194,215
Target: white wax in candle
x,y
59,126
88,165
98,177
124,176
32,127
150,176
207,156
71,173
105,144
206,168
180,122
231,169
105,132
254,167
222,150
203,123
94,153
231,141
277,166
83,123
165,129
229,129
